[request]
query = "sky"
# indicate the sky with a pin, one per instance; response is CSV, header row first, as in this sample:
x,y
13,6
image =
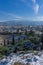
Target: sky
x,y
21,10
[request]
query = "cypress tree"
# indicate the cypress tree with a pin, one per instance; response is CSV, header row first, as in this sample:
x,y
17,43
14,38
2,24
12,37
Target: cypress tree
x,y
4,43
8,42
42,40
13,39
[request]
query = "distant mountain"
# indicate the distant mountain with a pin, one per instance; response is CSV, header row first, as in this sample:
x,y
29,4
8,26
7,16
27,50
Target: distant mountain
x,y
22,23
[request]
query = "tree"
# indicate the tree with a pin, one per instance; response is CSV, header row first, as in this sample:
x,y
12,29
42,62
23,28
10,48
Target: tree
x,y
4,43
13,39
4,50
42,40
35,40
32,33
8,42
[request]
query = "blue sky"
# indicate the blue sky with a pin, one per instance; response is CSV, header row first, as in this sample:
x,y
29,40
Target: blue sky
x,y
21,10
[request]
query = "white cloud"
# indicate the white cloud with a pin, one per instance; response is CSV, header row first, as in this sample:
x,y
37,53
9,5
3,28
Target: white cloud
x,y
36,8
37,18
14,16
8,16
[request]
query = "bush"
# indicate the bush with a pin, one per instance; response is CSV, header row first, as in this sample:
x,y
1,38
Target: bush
x,y
4,50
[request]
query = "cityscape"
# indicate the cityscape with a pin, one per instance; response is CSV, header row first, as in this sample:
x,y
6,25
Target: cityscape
x,y
21,32
23,42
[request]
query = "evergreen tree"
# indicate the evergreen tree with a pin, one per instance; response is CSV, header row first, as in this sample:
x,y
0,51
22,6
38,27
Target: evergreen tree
x,y
13,40
4,43
42,40
8,42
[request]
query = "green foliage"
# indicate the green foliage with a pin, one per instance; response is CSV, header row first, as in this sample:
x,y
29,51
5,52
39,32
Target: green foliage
x,y
1,55
13,40
31,33
4,50
35,39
